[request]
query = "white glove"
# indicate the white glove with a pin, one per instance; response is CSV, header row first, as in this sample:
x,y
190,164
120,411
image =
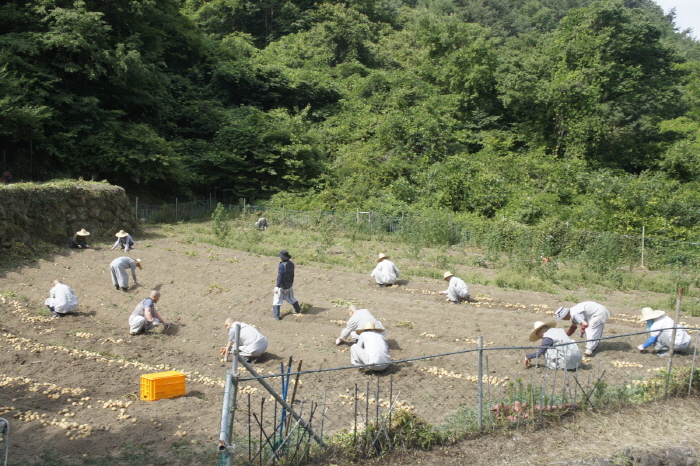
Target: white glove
x,y
338,341
156,322
640,347
277,290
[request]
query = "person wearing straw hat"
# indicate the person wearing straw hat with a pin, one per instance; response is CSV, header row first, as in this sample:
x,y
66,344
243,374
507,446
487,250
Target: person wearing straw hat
x,y
118,268
358,319
660,328
61,300
251,343
456,290
385,273
283,290
559,351
124,240
79,240
145,315
591,316
371,350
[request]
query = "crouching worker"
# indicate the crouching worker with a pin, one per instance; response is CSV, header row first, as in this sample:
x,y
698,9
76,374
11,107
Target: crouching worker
x,y
261,224
456,290
146,316
79,240
557,353
251,343
61,300
370,350
358,319
660,328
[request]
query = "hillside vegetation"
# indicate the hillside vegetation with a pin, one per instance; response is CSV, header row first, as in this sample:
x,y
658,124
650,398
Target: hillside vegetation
x,y
577,111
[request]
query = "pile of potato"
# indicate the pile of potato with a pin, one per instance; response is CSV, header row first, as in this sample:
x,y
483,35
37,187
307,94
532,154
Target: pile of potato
x,y
617,363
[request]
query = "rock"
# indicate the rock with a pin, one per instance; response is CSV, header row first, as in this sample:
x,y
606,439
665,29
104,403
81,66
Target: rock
x,y
651,460
676,457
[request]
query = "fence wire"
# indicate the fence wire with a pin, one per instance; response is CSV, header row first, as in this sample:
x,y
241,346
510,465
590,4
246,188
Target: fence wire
x,y
599,251
345,405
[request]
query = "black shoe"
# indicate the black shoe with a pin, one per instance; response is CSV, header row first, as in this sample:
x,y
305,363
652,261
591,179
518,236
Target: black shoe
x,y
117,287
124,289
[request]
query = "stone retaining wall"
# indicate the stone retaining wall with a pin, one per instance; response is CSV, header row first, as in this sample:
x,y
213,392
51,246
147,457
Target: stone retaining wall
x,y
53,211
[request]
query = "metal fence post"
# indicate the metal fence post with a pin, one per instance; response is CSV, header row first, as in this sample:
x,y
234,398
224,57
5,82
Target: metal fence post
x,y
229,405
480,386
643,231
673,339
692,367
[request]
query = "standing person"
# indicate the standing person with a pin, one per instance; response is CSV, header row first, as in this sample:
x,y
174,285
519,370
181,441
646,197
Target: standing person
x,y
79,240
120,279
557,353
283,289
252,343
385,273
660,328
358,319
146,316
456,290
124,240
61,299
591,316
370,349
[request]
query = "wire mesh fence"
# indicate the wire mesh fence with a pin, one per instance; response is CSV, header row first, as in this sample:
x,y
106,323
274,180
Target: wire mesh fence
x,y
599,251
453,394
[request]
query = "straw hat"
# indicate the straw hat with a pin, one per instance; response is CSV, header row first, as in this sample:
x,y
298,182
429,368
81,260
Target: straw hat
x,y
138,263
369,326
649,314
382,256
539,325
83,232
447,275
121,234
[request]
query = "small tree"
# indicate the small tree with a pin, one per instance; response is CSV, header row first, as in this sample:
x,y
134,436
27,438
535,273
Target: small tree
x,y
220,222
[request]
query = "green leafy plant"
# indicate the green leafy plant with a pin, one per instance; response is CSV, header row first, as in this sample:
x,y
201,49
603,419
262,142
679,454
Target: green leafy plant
x,y
221,226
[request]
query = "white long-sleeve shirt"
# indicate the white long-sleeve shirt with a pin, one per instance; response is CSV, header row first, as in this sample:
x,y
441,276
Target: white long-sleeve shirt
x,y
62,299
385,272
591,312
456,289
358,320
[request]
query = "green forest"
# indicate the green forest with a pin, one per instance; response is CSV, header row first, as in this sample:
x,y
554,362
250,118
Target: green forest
x,y
535,111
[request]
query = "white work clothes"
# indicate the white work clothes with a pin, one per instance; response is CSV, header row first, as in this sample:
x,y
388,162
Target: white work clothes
x,y
358,320
596,315
140,324
118,269
385,273
371,349
565,356
662,329
251,342
456,290
144,317
283,295
62,299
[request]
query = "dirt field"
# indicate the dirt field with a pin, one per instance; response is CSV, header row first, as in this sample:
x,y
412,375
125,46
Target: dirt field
x,y
88,365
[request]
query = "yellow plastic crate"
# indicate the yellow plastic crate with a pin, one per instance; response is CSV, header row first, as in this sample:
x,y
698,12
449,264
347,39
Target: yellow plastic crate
x,y
162,385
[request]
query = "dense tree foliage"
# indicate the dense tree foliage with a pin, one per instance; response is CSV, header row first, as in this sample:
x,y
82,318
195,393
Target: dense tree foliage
x,y
539,110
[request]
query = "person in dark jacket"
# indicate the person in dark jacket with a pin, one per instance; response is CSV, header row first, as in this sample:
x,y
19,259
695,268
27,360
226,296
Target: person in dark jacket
x,y
283,289
79,240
